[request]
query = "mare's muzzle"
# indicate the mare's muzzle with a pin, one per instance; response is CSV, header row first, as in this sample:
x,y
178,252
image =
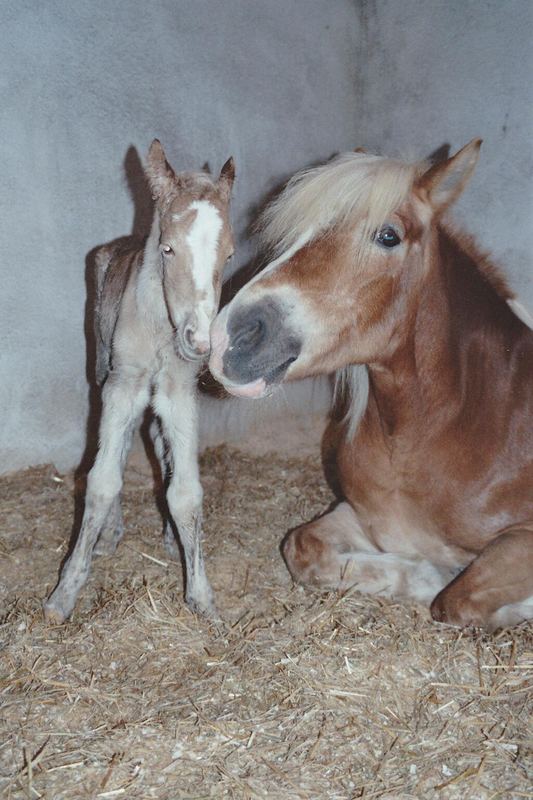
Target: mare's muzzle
x,y
260,344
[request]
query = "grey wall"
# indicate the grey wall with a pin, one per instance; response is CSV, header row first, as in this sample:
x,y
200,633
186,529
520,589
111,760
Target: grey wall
x,y
271,83
85,86
436,71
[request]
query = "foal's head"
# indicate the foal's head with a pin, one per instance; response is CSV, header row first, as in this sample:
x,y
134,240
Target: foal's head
x,y
195,241
352,240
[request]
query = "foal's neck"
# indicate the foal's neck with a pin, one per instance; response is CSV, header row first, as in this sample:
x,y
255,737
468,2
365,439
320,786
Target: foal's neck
x,y
149,290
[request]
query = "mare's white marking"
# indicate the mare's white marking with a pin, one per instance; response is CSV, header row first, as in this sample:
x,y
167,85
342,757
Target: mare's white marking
x,y
284,257
521,312
202,240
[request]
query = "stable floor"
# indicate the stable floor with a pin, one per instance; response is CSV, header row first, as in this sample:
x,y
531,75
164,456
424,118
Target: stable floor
x,y
294,694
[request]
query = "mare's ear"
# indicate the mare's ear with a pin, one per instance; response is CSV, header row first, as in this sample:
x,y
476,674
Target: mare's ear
x,y
158,171
227,176
445,181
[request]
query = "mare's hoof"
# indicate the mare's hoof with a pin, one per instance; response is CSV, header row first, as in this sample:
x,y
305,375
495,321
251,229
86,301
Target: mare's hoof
x,y
462,614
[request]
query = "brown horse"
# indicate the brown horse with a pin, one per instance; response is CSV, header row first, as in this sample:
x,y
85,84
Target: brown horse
x,y
436,454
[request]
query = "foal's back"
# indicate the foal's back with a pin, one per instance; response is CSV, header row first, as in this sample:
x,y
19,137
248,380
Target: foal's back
x,y
116,265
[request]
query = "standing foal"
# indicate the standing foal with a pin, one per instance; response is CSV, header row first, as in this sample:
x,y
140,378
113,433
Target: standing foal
x,y
154,309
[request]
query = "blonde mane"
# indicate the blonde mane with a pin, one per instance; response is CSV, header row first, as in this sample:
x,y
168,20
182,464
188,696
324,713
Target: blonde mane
x,y
317,199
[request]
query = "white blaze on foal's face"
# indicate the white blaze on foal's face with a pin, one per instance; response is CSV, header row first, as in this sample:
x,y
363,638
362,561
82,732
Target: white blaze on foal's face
x,y
202,240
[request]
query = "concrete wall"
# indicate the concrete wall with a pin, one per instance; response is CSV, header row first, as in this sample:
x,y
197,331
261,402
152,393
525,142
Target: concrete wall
x,y
85,86
276,83
446,71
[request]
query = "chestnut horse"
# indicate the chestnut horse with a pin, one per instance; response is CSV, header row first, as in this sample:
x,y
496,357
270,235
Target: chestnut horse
x,y
154,310
436,458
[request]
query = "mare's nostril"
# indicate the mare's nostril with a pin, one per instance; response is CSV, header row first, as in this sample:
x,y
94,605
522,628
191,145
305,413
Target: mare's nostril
x,y
250,336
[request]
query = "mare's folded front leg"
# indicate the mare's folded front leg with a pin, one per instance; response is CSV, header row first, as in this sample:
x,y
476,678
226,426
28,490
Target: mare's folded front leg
x,y
334,552
175,405
123,399
496,589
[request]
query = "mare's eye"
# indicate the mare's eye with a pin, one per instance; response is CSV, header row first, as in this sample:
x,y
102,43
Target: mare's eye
x,y
167,250
387,237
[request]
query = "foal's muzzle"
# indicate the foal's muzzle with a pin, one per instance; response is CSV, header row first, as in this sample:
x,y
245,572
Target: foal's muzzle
x,y
191,344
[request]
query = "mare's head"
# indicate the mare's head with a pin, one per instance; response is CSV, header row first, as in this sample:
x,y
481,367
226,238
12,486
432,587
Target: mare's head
x,y
195,240
351,242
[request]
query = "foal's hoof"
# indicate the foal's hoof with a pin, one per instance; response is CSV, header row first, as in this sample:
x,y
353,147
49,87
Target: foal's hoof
x,y
203,608
53,615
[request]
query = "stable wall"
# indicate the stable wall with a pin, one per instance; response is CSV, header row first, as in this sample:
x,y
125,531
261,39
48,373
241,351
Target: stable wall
x,y
85,87
432,72
278,85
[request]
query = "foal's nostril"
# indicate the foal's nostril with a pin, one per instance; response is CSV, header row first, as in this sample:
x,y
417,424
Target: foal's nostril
x,y
250,335
188,335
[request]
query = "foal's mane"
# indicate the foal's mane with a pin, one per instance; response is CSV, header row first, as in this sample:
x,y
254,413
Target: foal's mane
x,y
327,196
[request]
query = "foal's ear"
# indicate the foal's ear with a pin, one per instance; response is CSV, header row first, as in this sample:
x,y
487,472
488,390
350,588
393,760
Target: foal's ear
x,y
445,181
227,176
158,171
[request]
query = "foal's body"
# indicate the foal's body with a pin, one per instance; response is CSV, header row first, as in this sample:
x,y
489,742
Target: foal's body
x,y
438,475
154,307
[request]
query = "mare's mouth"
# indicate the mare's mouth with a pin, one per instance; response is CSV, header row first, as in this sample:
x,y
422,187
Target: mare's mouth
x,y
260,387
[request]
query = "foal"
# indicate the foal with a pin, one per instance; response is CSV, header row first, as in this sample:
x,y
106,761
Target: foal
x,y
437,476
154,309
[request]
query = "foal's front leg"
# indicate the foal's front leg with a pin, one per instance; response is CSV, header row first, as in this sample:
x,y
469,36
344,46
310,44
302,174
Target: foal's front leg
x,y
123,399
175,404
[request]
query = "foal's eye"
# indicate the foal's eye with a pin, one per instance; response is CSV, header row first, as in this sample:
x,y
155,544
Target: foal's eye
x,y
167,250
387,237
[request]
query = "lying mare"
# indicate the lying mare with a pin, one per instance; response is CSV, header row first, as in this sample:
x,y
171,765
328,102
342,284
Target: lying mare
x,y
436,459
154,309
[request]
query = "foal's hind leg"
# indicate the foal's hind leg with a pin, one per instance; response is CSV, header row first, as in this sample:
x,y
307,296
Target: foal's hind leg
x,y
175,404
333,552
123,399
165,462
112,532
496,589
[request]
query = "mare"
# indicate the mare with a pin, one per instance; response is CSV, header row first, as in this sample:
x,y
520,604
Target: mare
x,y
435,457
154,308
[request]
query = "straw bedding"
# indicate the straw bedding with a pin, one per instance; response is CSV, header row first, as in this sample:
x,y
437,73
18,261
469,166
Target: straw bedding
x,y
294,694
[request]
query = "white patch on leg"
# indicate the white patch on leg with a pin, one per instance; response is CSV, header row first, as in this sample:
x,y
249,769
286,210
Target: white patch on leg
x,y
511,614
390,575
